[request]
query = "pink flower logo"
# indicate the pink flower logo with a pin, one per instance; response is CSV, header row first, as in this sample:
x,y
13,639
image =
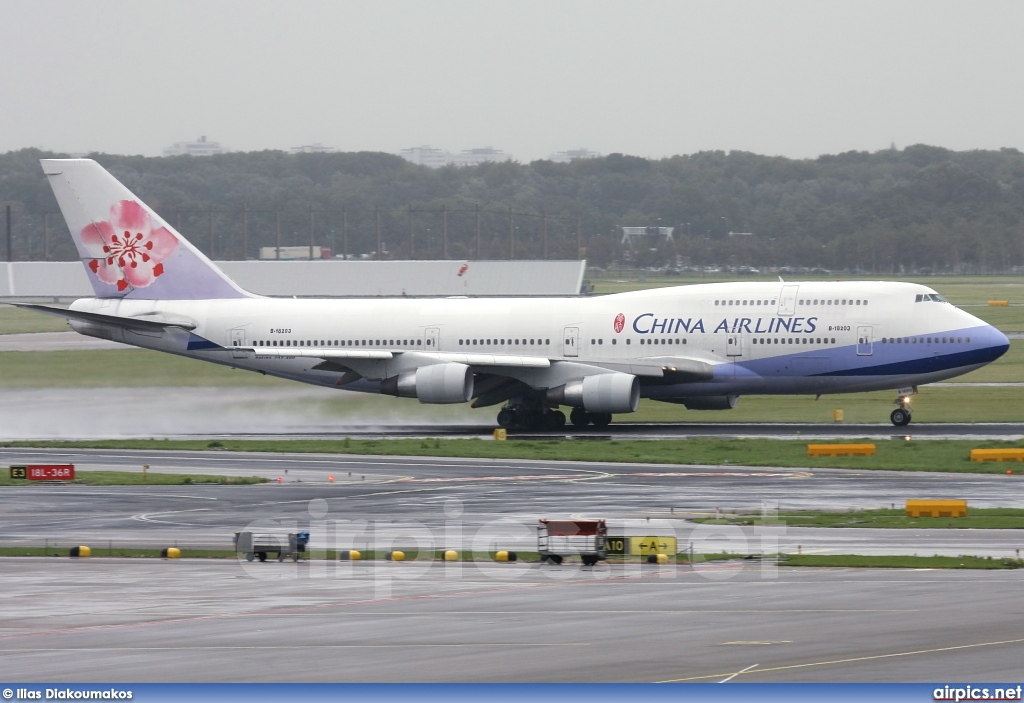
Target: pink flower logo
x,y
128,248
620,322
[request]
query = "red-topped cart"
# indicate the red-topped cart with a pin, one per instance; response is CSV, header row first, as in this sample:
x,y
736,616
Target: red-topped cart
x,y
557,539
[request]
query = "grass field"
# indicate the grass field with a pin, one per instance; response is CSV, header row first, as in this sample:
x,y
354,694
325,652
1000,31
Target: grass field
x,y
17,321
133,478
137,368
977,518
926,455
858,561
131,368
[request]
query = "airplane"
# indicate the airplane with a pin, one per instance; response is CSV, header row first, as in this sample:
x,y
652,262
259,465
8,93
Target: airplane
x,y
701,346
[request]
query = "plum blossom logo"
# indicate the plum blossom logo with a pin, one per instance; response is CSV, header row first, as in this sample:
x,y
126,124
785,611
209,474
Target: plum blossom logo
x,y
129,248
620,322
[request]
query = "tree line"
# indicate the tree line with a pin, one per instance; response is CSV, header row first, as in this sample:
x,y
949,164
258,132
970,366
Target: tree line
x,y
919,209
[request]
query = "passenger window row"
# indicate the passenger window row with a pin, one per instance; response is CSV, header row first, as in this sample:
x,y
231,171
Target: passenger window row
x,y
339,343
504,342
816,301
794,340
805,301
666,340
925,340
744,302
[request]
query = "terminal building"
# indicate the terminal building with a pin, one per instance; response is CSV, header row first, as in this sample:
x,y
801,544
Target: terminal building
x,y
200,147
436,158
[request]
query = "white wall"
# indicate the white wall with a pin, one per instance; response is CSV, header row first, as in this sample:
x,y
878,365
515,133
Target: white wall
x,y
331,277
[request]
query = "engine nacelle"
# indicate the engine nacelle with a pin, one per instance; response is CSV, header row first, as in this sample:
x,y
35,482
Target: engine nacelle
x,y
437,383
711,402
91,329
602,393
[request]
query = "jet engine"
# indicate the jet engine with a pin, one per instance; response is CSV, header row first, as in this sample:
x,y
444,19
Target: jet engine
x,y
437,383
602,393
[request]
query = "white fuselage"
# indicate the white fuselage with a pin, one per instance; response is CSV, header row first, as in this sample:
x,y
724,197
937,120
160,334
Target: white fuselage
x,y
778,338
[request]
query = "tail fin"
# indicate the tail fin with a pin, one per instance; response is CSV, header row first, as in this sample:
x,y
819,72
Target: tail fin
x,y
128,250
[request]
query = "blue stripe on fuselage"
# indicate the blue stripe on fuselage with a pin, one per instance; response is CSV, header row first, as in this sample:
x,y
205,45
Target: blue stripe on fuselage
x,y
885,360
197,343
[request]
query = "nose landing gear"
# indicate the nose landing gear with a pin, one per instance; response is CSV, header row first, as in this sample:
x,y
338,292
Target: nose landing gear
x,y
901,415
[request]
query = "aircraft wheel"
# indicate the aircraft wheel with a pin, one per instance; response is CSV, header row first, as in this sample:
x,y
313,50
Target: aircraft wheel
x,y
579,417
262,556
555,420
506,418
900,417
531,419
601,420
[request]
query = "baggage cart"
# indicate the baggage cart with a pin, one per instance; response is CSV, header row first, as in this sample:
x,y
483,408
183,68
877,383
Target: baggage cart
x,y
258,545
557,539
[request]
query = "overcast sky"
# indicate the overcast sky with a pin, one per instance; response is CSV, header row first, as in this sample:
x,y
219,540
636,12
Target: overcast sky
x,y
652,79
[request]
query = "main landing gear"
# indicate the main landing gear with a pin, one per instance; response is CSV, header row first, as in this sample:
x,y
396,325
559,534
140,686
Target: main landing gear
x,y
530,417
901,415
535,416
581,418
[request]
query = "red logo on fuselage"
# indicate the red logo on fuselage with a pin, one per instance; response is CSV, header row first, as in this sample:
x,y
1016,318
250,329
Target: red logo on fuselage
x,y
620,322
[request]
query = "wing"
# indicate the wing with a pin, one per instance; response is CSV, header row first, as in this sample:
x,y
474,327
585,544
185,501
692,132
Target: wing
x,y
498,376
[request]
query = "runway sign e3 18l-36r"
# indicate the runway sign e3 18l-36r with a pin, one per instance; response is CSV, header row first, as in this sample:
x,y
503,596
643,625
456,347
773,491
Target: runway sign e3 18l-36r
x,y
44,472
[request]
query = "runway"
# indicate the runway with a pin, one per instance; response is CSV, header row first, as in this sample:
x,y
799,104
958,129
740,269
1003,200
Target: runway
x,y
439,503
232,620
192,620
304,412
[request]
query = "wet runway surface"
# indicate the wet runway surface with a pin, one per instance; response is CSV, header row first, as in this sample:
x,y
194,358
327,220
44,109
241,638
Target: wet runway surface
x,y
191,620
105,619
373,499
304,412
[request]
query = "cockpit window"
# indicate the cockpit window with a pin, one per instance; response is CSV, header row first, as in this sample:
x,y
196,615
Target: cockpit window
x,y
929,298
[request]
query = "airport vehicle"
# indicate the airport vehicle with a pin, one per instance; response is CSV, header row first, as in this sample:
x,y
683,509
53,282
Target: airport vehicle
x,y
557,539
701,346
259,545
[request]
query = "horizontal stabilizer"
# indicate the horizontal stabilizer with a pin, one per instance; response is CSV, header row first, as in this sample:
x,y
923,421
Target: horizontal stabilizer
x,y
153,323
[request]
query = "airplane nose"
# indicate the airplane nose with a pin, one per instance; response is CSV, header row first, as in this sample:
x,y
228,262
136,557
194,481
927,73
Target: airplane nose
x,y
997,342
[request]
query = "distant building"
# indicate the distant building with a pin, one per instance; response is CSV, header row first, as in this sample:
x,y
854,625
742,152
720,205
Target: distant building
x,y
316,148
562,157
436,158
631,234
427,156
200,147
472,157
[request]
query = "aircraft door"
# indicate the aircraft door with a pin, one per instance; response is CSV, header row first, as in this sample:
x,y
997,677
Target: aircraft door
x,y
432,342
787,300
734,346
571,341
236,338
864,345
